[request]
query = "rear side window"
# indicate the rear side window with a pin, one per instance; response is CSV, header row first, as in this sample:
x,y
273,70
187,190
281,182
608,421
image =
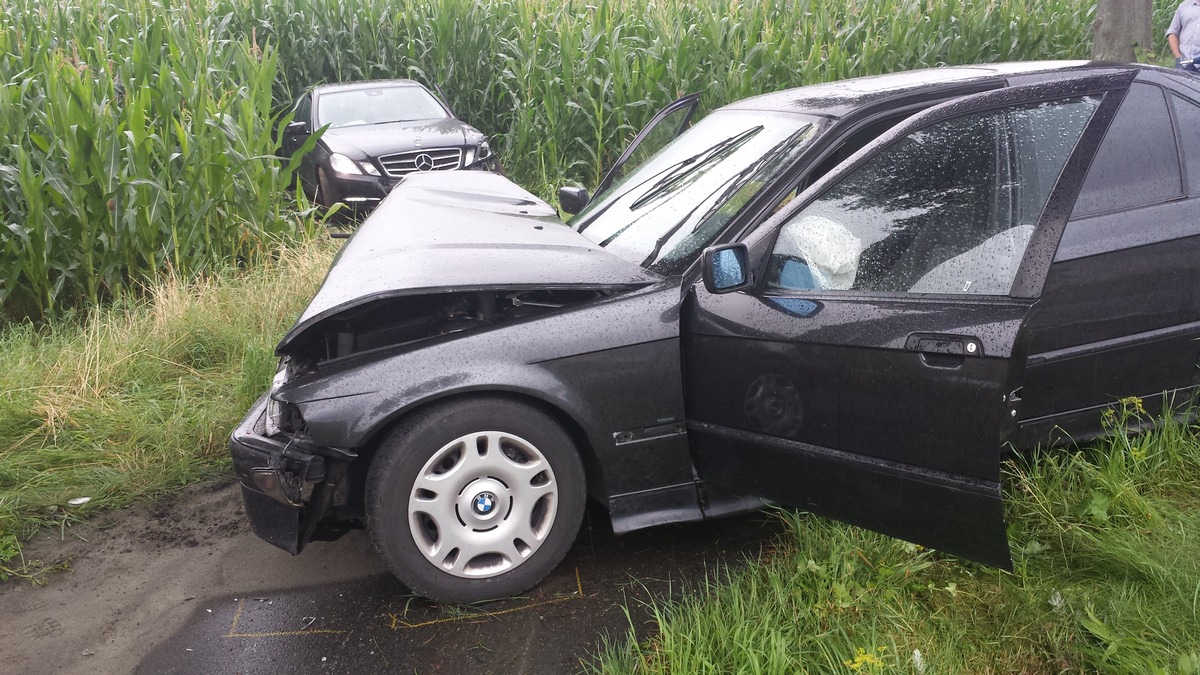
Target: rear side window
x,y
1137,164
949,208
1188,116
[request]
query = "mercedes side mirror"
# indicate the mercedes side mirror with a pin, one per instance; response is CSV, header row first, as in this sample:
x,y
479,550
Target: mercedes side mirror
x,y
726,268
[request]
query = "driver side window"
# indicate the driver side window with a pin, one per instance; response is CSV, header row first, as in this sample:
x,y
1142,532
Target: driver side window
x,y
946,209
303,109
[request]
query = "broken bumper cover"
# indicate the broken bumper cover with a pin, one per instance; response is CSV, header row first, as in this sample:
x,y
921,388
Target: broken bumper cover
x,y
286,482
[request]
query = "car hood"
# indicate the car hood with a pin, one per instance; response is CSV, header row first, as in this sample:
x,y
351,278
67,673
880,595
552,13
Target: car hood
x,y
461,231
374,140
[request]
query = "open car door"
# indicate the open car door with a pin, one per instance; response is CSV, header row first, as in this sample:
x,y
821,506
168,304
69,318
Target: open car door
x,y
666,124
658,132
867,363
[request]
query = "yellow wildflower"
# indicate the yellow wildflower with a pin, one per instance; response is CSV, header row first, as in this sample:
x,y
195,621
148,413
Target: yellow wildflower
x,y
866,661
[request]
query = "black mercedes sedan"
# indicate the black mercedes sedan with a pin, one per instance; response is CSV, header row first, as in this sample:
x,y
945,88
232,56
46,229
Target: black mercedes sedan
x,y
375,134
851,298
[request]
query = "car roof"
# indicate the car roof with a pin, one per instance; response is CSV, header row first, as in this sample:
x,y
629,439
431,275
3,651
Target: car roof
x,y
364,84
841,97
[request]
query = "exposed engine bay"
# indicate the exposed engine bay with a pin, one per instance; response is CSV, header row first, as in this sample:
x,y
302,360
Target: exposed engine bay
x,y
395,322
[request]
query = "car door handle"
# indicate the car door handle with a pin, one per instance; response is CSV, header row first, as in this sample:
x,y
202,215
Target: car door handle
x,y
940,350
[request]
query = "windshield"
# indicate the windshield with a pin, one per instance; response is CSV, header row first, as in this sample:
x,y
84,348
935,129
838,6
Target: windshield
x,y
662,213
377,106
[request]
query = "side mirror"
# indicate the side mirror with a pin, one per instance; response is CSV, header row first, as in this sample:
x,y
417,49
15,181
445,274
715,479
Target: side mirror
x,y
726,268
296,127
572,199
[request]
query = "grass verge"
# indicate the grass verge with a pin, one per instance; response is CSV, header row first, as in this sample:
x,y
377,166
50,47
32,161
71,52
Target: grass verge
x,y
137,398
1106,542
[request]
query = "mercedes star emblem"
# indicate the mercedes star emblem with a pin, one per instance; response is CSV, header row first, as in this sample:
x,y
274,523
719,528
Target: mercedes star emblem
x,y
424,162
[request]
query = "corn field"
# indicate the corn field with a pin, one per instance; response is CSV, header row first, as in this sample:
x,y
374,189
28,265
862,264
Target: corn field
x,y
137,137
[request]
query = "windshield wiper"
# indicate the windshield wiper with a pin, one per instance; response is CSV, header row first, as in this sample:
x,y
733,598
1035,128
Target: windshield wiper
x,y
671,232
736,182
689,166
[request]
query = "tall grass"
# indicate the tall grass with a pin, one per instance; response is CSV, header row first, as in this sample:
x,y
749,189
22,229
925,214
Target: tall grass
x,y
565,84
140,396
136,135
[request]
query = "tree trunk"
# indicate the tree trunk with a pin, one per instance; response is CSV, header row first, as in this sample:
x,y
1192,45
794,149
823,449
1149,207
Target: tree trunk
x,y
1122,29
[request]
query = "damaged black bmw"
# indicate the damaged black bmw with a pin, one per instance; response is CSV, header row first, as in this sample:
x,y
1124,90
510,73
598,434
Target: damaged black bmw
x,y
851,298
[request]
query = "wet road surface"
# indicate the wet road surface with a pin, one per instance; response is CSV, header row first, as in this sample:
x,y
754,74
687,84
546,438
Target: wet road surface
x,y
366,622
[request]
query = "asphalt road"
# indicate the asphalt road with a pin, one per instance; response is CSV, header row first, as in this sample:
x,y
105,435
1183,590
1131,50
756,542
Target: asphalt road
x,y
184,587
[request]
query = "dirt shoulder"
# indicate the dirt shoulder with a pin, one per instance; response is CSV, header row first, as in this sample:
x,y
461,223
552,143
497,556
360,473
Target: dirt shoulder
x,y
135,577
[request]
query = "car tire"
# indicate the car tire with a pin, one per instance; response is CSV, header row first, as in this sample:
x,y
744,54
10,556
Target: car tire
x,y
475,499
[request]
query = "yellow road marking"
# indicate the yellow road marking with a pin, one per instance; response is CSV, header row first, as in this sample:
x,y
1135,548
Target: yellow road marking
x,y
397,622
238,617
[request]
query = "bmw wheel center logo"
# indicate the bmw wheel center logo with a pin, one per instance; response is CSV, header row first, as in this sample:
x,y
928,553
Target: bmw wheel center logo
x,y
484,503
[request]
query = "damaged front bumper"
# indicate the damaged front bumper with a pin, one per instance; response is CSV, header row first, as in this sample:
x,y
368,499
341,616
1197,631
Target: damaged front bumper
x,y
288,483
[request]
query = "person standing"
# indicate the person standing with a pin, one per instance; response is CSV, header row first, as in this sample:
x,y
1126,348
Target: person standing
x,y
1183,35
